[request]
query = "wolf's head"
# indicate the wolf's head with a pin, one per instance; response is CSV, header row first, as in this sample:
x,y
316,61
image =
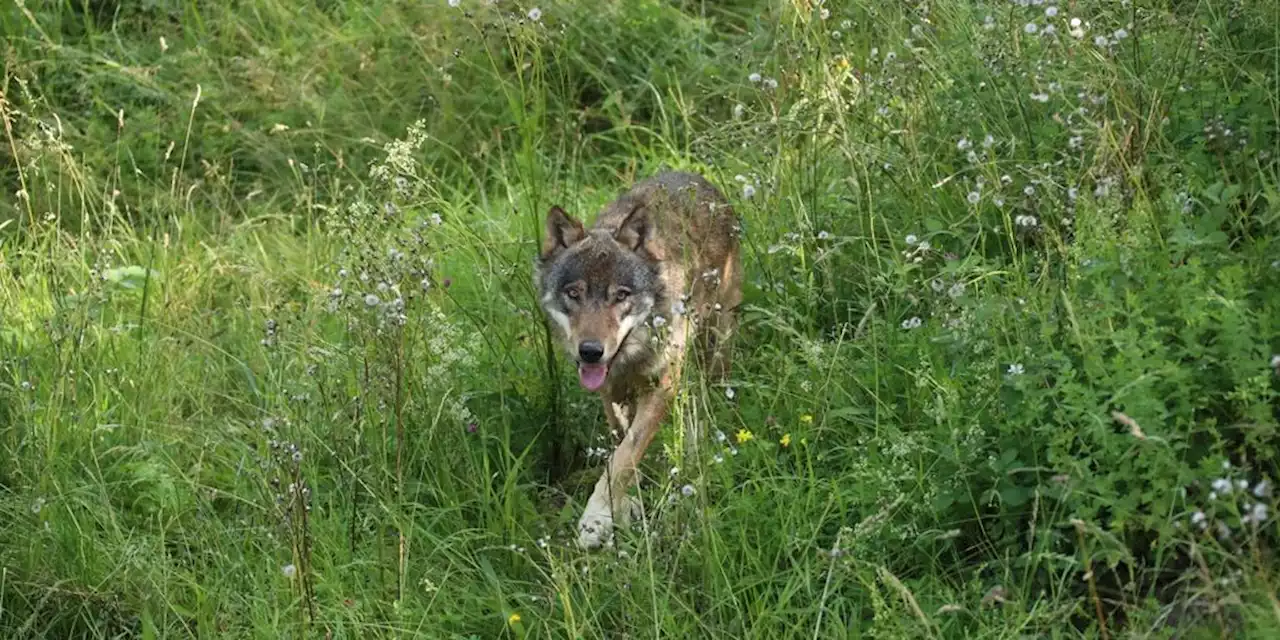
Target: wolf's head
x,y
598,288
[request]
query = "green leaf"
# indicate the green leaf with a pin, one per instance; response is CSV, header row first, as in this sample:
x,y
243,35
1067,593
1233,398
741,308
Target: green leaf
x,y
130,277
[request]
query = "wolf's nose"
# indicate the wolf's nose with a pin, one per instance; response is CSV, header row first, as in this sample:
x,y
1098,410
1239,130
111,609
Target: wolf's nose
x,y
590,351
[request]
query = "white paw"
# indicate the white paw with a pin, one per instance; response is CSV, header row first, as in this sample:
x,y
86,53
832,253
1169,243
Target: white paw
x,y
595,529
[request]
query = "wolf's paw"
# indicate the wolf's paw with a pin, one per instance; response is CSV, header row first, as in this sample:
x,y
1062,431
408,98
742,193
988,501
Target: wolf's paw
x,y
596,527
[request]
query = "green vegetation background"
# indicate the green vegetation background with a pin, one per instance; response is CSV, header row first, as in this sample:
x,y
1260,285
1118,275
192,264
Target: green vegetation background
x,y
271,363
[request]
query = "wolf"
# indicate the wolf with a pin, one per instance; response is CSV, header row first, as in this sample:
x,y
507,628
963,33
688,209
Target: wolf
x,y
657,275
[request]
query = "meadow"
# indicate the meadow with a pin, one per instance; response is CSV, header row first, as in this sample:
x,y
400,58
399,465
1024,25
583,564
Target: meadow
x,y
272,366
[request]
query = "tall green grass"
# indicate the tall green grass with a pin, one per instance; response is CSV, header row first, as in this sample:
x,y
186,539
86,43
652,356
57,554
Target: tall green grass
x,y
271,363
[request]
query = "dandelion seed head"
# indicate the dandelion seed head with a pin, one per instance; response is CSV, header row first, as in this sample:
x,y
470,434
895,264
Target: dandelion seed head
x,y
535,14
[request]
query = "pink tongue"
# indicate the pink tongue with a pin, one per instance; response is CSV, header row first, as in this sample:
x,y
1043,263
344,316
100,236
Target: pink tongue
x,y
592,375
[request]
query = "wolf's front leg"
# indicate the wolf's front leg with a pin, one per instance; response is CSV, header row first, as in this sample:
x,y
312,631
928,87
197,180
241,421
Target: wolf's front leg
x,y
609,502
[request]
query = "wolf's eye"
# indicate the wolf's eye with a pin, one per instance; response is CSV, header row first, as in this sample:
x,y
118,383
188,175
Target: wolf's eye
x,y
572,293
621,294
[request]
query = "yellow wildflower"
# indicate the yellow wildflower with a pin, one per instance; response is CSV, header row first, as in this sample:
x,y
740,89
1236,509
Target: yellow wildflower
x,y
744,436
786,440
513,619
806,419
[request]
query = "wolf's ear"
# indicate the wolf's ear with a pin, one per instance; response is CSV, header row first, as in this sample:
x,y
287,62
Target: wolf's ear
x,y
636,233
563,231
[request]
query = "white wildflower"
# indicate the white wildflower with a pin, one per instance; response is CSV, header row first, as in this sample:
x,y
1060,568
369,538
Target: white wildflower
x,y
1257,514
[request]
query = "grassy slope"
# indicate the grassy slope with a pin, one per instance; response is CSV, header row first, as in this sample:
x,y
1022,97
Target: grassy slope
x,y
939,324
